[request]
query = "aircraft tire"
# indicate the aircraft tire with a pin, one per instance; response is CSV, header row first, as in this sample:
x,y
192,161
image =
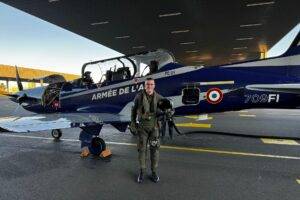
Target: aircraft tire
x,y
97,146
56,133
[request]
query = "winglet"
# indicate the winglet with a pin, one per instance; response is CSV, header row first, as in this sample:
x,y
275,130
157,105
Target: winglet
x,y
3,130
296,41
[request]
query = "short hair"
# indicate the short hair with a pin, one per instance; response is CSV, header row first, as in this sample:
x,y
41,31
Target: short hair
x,y
149,79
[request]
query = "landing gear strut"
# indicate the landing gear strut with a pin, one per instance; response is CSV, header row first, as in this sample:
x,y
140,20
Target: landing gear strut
x,y
56,133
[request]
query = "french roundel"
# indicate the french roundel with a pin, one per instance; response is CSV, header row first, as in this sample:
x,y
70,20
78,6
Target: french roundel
x,y
214,95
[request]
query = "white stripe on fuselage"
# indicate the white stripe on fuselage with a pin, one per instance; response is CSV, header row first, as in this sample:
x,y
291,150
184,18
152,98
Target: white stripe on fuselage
x,y
280,61
159,75
176,101
217,83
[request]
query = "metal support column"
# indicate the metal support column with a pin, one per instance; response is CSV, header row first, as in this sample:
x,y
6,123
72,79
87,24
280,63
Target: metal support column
x,y
7,85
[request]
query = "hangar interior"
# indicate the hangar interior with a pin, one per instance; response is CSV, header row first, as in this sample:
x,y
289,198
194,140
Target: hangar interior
x,y
246,154
31,78
196,32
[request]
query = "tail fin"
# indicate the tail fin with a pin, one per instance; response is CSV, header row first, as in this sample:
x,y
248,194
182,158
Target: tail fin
x,y
296,41
20,86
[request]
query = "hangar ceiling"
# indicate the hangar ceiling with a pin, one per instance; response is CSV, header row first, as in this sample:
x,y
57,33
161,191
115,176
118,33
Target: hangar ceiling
x,y
206,32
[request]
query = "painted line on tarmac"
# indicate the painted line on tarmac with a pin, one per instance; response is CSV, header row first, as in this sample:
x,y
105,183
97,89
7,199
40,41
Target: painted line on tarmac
x,y
279,141
193,125
235,153
204,119
188,149
244,115
243,111
293,114
199,117
191,116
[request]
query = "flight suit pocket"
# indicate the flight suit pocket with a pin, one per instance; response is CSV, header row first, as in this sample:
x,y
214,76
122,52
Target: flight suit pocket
x,y
141,143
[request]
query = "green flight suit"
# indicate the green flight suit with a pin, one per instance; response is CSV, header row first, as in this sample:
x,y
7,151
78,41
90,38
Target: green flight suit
x,y
144,112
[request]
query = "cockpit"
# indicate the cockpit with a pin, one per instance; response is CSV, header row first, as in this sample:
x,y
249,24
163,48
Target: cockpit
x,y
101,73
114,70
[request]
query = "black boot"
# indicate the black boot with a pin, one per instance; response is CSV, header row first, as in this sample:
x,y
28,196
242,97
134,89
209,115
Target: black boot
x,y
140,177
154,177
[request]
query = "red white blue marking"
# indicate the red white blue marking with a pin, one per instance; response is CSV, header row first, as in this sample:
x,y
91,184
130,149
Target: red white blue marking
x,y
214,96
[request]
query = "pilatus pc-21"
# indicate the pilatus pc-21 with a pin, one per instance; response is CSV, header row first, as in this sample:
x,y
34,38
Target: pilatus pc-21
x,y
193,90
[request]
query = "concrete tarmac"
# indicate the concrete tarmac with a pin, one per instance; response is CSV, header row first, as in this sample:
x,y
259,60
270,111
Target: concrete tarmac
x,y
192,166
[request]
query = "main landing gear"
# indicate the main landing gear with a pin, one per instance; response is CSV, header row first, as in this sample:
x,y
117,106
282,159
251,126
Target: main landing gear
x,y
91,143
97,146
89,137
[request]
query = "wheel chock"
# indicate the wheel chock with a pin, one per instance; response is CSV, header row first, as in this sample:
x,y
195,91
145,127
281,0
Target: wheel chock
x,y
85,153
106,153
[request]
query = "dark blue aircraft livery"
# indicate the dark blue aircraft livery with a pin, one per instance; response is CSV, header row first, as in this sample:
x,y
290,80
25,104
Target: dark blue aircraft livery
x,y
267,83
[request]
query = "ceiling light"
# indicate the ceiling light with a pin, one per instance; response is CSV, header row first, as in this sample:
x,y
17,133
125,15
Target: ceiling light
x,y
184,43
138,47
237,54
180,31
123,37
99,23
192,51
238,48
170,14
51,1
206,56
260,3
250,25
245,38
263,47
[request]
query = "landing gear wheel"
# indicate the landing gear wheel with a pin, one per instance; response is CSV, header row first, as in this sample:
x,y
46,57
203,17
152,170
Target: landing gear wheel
x,y
97,146
56,133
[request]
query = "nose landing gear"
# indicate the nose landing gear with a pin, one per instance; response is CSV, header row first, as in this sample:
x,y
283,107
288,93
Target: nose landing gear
x,y
56,134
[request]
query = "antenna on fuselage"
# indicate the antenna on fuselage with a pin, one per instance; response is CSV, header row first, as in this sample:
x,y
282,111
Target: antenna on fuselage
x,y
18,79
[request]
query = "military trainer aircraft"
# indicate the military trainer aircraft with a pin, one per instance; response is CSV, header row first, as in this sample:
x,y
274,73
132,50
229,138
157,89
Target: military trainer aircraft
x,y
88,104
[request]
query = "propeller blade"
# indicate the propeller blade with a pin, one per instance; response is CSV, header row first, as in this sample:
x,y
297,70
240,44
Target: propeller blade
x,y
20,86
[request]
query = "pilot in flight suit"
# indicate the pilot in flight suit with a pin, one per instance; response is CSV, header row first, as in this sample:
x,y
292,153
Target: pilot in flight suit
x,y
144,120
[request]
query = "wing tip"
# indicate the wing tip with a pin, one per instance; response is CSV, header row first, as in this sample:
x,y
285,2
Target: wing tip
x,y
3,130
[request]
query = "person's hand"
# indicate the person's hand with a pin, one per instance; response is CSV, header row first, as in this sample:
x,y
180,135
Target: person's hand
x,y
133,128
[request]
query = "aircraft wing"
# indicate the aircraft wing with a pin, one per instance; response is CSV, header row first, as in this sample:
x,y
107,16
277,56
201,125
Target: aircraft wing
x,y
287,88
42,122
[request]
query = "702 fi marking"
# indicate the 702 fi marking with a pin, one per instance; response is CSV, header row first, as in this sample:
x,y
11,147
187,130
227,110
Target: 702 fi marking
x,y
261,98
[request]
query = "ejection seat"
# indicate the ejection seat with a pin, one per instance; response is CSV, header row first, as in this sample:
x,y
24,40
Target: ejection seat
x,y
113,77
153,67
